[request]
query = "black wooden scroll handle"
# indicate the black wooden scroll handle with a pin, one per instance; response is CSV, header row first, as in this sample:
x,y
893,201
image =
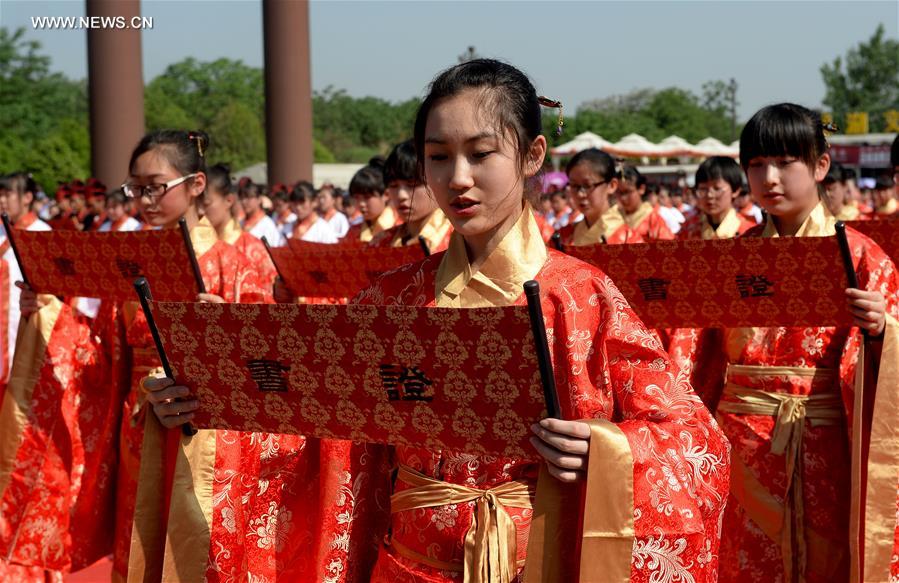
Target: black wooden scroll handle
x,y
7,225
194,264
846,254
556,241
142,286
424,246
535,311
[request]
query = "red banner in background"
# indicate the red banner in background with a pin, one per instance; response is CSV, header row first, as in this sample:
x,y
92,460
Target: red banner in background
x,y
444,379
752,281
105,265
338,271
884,232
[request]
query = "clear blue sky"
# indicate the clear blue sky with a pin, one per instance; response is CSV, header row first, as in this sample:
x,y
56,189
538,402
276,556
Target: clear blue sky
x,y
574,51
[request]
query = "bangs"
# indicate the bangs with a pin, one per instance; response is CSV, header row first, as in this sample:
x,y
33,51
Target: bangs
x,y
782,130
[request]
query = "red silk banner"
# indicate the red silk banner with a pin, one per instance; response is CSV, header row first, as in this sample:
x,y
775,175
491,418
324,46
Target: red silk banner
x,y
338,271
884,232
751,281
105,265
462,380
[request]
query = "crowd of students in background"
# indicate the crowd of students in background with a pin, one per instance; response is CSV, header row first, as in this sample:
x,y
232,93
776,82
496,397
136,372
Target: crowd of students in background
x,y
330,214
681,206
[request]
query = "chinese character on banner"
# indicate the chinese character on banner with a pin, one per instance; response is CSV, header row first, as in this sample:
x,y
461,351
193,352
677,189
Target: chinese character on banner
x,y
654,289
129,269
857,122
65,266
754,286
269,375
318,276
413,382
892,120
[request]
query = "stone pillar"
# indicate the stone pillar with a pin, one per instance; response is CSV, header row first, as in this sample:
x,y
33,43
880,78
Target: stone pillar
x,y
288,90
115,89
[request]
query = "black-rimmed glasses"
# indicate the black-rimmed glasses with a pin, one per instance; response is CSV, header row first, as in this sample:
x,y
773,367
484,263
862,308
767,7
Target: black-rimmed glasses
x,y
583,188
154,191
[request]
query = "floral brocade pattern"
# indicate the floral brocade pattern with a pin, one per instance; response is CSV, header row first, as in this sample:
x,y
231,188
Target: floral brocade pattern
x,y
747,553
57,507
126,336
607,366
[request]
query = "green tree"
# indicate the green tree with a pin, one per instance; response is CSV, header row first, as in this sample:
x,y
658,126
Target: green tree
x,y
866,80
43,114
236,136
201,90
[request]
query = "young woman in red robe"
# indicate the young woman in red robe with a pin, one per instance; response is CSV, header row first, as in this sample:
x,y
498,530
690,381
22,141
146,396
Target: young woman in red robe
x,y
413,202
664,461
218,202
813,483
592,181
636,212
718,183
370,194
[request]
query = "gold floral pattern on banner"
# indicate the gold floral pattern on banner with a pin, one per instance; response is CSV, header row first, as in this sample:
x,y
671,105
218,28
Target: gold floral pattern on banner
x,y
461,380
728,283
337,271
884,232
105,265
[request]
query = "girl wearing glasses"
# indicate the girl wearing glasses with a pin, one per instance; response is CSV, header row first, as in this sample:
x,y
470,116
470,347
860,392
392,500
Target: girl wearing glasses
x,y
592,181
718,183
257,506
810,412
167,178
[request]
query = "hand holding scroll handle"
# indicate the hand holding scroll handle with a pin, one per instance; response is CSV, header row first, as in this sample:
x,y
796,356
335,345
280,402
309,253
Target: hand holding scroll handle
x,y
868,308
563,444
167,400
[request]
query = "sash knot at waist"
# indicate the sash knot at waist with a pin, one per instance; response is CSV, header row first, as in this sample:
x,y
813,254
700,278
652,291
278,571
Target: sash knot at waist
x,y
490,544
789,411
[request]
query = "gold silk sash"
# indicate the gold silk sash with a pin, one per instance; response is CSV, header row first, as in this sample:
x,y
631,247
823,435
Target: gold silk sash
x,y
490,543
606,504
786,521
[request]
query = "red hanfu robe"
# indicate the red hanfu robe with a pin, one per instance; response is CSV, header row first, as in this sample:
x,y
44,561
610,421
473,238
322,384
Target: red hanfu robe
x,y
125,337
365,232
610,229
785,398
608,369
436,232
700,227
58,428
646,222
254,250
225,506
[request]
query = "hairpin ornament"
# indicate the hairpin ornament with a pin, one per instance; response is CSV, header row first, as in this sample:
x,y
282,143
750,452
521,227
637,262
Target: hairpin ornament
x,y
200,140
547,102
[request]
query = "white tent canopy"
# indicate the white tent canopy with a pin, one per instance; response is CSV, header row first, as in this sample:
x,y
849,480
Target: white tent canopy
x,y
713,147
634,146
580,142
675,147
